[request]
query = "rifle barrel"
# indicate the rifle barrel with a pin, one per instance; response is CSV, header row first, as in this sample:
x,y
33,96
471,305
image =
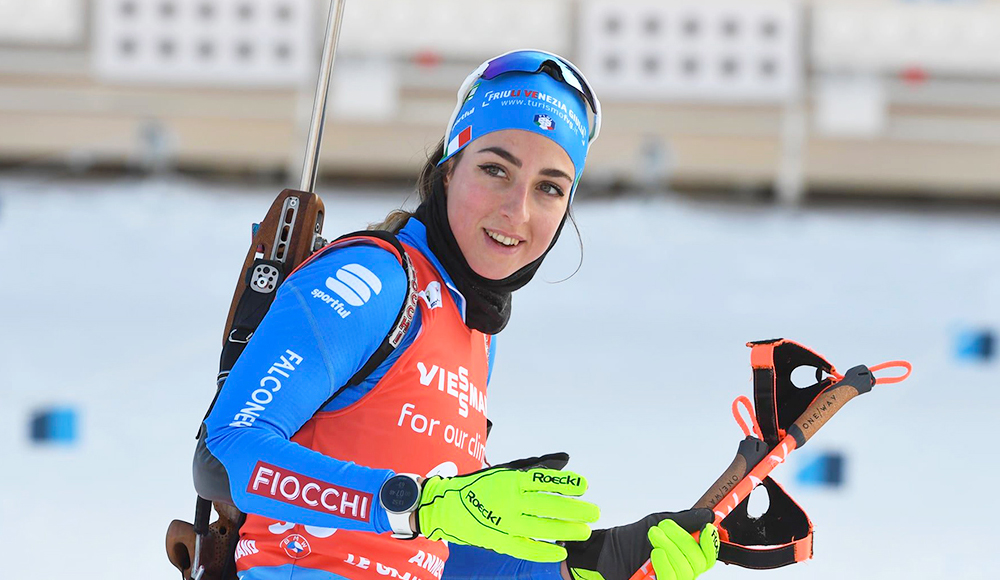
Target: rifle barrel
x,y
310,165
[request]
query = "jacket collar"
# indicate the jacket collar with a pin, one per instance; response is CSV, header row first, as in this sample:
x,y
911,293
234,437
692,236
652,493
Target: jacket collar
x,y
414,233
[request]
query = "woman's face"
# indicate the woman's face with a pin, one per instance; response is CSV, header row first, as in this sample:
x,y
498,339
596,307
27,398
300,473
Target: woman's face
x,y
507,195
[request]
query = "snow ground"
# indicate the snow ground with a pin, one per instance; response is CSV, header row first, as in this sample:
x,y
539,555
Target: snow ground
x,y
115,294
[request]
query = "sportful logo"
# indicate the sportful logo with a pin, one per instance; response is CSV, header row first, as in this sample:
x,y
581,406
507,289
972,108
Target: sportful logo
x,y
545,122
354,284
465,116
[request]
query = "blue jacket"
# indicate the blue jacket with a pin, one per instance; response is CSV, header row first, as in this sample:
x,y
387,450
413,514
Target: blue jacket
x,y
301,354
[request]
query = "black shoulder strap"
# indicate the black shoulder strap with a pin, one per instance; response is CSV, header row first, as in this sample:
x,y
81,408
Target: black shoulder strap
x,y
403,319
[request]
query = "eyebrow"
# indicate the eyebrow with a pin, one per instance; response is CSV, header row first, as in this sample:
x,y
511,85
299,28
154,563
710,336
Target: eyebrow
x,y
508,156
556,173
502,153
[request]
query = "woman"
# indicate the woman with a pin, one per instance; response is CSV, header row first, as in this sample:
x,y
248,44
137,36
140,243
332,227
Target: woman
x,y
336,464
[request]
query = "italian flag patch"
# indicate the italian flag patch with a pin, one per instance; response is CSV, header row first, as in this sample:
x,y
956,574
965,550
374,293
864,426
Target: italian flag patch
x,y
460,140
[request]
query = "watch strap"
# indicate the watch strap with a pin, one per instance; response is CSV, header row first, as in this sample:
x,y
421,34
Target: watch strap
x,y
400,524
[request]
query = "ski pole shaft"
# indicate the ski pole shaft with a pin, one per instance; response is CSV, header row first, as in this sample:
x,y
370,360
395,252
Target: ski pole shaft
x,y
856,381
314,141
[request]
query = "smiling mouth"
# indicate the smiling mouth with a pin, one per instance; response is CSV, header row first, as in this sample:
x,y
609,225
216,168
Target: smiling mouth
x,y
502,239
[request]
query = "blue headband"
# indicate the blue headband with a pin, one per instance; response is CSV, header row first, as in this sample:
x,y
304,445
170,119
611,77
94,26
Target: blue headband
x,y
533,102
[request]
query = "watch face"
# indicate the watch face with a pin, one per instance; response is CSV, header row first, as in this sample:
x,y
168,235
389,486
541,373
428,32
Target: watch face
x,y
399,494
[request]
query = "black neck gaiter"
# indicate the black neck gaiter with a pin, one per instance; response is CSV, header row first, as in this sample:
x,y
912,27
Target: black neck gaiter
x,y
487,301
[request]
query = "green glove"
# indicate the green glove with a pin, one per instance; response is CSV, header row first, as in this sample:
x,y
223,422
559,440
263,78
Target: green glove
x,y
677,556
508,510
616,553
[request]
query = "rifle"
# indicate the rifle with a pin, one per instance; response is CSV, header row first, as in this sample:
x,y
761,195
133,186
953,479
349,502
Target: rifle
x,y
289,233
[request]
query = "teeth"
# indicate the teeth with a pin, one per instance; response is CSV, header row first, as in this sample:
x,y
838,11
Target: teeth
x,y
503,239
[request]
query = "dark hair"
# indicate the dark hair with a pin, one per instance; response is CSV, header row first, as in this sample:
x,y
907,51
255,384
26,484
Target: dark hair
x,y
430,173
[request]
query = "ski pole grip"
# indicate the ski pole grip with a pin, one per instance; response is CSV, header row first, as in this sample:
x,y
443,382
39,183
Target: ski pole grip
x,y
749,454
857,381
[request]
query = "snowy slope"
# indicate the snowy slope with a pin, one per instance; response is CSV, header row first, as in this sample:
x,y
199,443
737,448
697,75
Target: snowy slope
x,y
115,293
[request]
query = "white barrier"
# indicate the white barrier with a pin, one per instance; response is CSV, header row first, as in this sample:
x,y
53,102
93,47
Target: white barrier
x,y
694,50
41,22
455,28
206,42
957,38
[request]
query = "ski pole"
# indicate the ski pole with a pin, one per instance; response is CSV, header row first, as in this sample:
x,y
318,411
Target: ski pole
x,y
310,165
856,381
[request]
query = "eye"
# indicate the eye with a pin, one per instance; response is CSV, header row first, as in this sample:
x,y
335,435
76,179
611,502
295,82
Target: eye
x,y
551,189
493,170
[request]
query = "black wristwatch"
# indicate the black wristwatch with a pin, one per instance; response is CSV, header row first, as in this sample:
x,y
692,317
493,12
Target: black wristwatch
x,y
400,496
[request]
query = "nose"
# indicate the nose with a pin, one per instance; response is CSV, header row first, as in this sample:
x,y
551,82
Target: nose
x,y
515,203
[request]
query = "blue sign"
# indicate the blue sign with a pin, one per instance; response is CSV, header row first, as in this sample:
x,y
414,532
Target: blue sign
x,y
56,425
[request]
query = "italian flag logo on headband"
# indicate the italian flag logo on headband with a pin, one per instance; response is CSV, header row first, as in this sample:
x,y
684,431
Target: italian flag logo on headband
x,y
545,122
459,140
